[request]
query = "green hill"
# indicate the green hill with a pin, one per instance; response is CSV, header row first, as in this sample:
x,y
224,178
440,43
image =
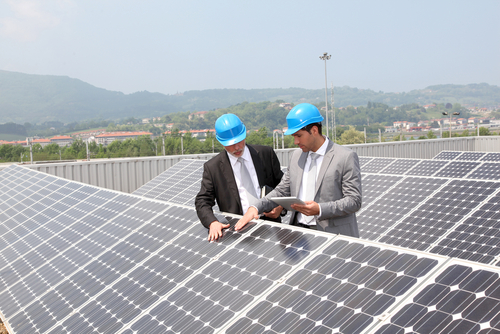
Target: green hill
x,y
41,98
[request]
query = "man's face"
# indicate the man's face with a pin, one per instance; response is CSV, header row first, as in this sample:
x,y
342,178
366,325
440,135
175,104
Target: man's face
x,y
304,140
237,149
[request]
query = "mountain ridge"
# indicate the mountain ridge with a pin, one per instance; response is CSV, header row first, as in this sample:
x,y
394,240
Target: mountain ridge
x,y
39,98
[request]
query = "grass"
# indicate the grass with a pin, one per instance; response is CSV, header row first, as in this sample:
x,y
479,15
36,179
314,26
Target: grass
x,y
11,137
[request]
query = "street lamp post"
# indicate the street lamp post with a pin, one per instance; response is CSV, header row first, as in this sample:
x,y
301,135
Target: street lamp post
x,y
445,113
326,57
334,121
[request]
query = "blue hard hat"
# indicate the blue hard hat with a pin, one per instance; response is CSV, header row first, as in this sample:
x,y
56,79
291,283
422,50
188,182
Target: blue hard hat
x,y
301,115
229,130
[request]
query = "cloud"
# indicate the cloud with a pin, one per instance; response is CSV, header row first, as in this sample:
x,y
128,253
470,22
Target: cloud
x,y
31,17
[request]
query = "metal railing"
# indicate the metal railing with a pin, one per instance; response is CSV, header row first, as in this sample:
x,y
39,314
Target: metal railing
x,y
128,174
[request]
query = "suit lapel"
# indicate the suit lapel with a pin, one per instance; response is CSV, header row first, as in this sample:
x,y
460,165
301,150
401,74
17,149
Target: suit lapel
x,y
259,168
301,164
327,159
226,169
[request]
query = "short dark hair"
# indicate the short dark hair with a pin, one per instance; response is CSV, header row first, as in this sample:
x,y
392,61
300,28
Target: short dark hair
x,y
308,127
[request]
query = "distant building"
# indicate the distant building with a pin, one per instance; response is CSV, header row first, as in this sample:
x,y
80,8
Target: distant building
x,y
199,114
87,134
107,138
286,105
473,121
154,119
62,141
42,141
195,133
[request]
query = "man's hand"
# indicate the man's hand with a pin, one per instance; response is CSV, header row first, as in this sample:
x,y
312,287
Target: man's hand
x,y
251,213
310,209
216,230
274,213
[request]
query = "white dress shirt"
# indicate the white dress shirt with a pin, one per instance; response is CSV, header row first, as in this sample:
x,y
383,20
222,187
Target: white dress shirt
x,y
235,165
319,160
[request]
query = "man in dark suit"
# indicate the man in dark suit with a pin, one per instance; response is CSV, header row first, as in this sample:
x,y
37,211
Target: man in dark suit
x,y
235,177
324,175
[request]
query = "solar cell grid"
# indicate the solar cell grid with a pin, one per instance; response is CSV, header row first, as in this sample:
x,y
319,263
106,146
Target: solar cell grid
x,y
162,177
376,165
341,289
460,298
397,202
457,169
447,155
477,238
400,166
375,185
486,171
491,157
211,298
74,258
177,184
439,214
471,156
427,167
362,161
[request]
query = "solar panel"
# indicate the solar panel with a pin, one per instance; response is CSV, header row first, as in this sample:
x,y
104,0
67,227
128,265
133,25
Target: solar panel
x,y
460,298
427,167
374,185
491,157
169,173
364,160
400,166
457,169
214,296
471,156
343,288
477,238
447,155
105,260
75,258
179,184
376,165
396,203
439,213
486,171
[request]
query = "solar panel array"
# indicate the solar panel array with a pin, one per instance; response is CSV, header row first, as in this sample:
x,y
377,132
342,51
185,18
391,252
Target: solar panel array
x,y
411,203
440,206
179,184
77,259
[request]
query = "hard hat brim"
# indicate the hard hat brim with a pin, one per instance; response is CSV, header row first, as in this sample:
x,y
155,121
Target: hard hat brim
x,y
234,140
303,124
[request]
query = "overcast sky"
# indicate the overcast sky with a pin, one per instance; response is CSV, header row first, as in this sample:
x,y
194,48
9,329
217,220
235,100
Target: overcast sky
x,y
171,46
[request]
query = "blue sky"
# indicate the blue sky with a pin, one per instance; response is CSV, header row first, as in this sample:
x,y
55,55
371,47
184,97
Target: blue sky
x,y
176,46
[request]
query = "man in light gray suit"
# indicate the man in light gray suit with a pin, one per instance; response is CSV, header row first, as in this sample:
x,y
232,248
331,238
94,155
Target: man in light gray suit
x,y
326,176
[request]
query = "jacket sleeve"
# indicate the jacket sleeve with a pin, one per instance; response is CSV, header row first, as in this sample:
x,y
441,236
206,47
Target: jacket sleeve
x,y
281,190
205,199
351,190
276,169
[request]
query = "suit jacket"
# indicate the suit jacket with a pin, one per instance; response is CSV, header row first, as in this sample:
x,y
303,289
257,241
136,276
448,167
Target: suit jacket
x,y
218,182
338,189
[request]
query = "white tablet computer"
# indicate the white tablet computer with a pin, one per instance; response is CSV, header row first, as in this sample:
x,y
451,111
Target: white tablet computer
x,y
286,201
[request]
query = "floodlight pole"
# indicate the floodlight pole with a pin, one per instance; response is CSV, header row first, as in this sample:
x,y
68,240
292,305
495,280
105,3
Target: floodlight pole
x,y
182,146
88,153
334,118
326,57
163,141
30,143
